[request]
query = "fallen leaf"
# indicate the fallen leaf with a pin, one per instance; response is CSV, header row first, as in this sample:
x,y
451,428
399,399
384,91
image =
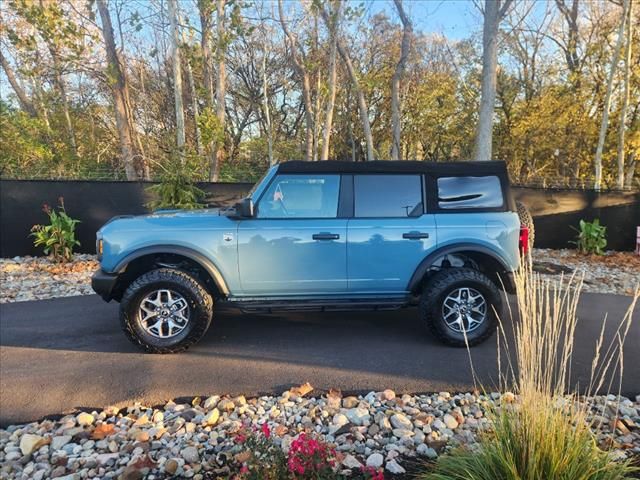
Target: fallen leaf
x,y
102,431
302,390
243,456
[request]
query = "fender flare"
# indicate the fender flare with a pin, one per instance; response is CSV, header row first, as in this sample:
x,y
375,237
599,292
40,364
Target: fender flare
x,y
187,252
426,263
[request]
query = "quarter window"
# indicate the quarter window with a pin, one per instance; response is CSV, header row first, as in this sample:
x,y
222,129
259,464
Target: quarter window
x,y
469,192
388,196
301,196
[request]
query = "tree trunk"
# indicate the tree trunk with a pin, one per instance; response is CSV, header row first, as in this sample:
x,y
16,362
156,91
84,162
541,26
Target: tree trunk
x,y
398,74
631,168
119,88
607,101
626,97
204,9
195,107
177,79
494,11
298,62
333,75
221,86
23,99
265,104
62,89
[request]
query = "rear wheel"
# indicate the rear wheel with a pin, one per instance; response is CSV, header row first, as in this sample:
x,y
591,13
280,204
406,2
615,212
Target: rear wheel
x,y
461,302
165,311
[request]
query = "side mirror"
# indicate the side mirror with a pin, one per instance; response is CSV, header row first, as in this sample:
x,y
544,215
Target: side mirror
x,y
244,208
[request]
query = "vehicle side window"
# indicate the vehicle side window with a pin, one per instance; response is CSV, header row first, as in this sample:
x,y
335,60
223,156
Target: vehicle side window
x,y
301,196
469,192
388,196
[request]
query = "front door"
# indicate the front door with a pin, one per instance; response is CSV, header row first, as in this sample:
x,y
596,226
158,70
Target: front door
x,y
389,233
296,244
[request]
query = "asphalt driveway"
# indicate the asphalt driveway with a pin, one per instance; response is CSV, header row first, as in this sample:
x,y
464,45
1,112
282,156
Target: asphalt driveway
x,y
57,355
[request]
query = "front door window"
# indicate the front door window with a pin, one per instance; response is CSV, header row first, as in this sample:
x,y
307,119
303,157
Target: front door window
x,y
301,196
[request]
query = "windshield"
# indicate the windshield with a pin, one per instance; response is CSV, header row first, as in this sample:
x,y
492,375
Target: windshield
x,y
258,183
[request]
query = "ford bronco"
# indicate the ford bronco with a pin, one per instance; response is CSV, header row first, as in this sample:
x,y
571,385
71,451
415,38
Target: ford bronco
x,y
326,236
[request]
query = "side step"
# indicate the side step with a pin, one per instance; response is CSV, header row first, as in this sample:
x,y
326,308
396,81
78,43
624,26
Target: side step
x,y
318,305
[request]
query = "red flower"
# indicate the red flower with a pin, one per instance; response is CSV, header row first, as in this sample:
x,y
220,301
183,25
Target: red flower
x,y
265,430
240,437
244,469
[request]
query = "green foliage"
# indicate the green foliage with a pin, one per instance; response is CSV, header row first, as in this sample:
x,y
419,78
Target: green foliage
x,y
176,188
59,237
591,237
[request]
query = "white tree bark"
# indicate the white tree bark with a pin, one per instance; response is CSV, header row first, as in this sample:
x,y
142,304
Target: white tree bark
x,y
23,99
265,105
221,91
333,75
177,79
626,96
398,74
298,62
607,100
494,11
119,88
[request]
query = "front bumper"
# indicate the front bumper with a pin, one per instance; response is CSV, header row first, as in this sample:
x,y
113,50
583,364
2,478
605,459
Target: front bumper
x,y
103,284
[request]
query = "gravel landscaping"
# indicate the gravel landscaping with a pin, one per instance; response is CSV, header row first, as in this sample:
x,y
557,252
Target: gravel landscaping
x,y
199,439
38,278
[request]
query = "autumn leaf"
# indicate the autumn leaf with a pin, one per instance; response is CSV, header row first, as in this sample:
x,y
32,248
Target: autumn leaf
x,y
302,390
243,457
103,431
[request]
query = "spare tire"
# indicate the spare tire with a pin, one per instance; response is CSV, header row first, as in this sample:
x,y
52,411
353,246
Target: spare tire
x,y
526,220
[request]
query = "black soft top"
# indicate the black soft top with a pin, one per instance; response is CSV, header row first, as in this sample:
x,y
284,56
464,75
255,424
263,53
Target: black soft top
x,y
470,168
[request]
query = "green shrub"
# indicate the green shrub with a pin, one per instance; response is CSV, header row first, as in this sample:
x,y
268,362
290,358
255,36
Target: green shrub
x,y
176,188
591,237
59,237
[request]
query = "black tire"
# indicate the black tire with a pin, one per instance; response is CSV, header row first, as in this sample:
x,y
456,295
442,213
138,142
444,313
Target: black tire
x,y
198,299
447,281
526,220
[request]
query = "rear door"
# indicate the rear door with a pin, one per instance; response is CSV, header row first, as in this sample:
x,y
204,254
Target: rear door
x,y
296,244
389,233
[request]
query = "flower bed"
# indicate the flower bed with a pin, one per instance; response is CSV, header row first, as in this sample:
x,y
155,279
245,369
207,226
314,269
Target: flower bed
x,y
288,436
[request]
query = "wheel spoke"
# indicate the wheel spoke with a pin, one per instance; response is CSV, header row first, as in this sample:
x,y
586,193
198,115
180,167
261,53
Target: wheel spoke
x,y
164,313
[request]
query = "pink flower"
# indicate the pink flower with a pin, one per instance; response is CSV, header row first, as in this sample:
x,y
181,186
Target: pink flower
x,y
244,469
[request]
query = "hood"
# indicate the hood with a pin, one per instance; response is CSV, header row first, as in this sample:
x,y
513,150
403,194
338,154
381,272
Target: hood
x,y
168,220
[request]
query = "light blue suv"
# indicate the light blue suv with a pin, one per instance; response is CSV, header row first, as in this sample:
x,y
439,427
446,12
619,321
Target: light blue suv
x,y
323,236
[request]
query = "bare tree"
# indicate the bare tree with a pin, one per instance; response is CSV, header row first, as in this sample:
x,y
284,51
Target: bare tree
x,y
362,101
298,57
177,78
398,74
570,13
221,90
333,74
626,96
23,99
607,100
119,89
494,12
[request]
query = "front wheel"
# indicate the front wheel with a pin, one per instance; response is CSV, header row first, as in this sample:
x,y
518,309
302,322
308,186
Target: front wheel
x,y
165,311
458,303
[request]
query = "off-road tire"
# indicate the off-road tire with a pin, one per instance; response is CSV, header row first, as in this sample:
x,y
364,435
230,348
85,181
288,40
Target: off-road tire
x,y
199,301
437,290
526,220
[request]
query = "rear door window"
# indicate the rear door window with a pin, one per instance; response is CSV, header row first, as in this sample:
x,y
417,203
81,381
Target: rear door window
x,y
469,192
388,196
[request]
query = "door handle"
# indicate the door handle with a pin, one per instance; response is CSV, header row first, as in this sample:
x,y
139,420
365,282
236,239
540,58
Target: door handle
x,y
325,236
415,235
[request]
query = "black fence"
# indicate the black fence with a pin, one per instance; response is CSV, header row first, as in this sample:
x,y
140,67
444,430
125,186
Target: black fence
x,y
555,211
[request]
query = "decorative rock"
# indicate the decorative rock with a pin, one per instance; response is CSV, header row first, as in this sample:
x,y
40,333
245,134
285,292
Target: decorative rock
x,y
60,441
394,467
351,462
401,421
171,466
30,443
350,402
375,460
84,419
212,417
450,422
388,395
426,451
211,402
358,416
190,455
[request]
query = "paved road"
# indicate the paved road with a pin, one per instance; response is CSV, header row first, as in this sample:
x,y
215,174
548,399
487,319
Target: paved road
x,y
56,355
